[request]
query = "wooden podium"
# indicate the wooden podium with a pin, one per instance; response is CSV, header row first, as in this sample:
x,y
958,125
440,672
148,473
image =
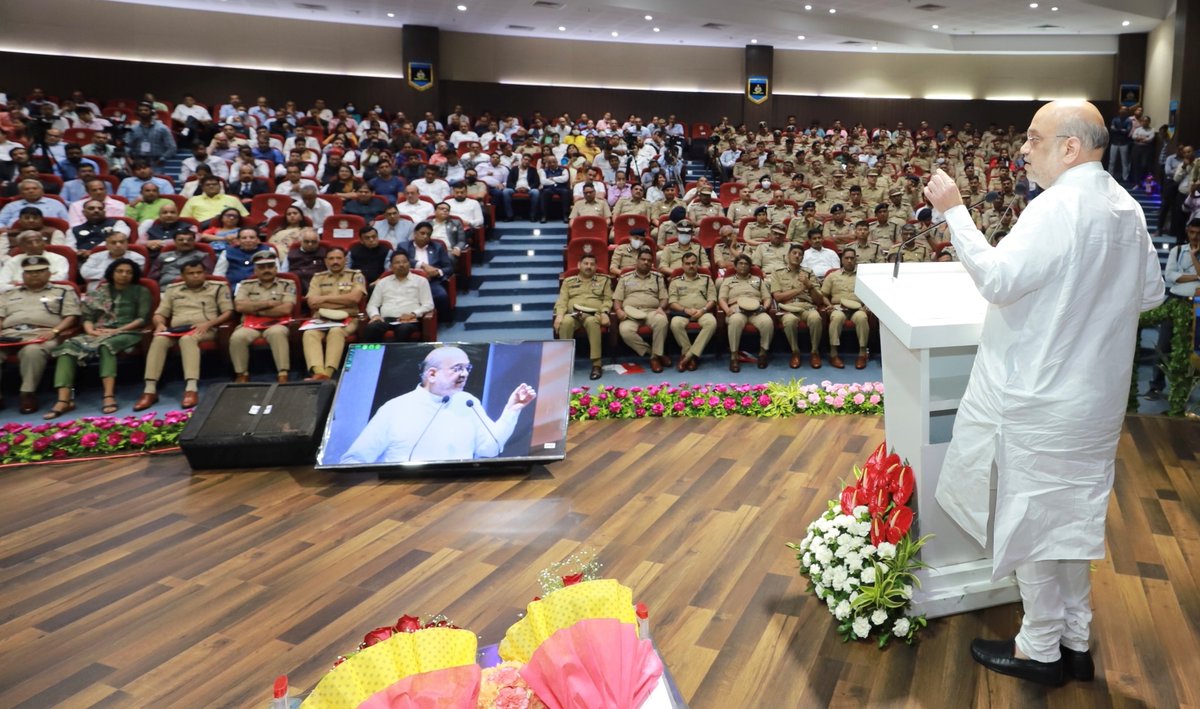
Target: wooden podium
x,y
930,323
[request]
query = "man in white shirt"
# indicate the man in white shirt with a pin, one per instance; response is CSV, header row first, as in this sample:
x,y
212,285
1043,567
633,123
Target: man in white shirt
x,y
194,119
429,125
464,207
293,183
400,430
31,243
97,189
315,208
398,303
463,134
432,186
817,258
116,245
1183,281
493,174
301,139
413,207
200,156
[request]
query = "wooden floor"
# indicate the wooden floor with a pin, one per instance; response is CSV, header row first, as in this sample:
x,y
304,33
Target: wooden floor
x,y
134,583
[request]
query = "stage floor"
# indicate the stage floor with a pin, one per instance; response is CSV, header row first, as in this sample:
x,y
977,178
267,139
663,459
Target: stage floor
x,y
133,583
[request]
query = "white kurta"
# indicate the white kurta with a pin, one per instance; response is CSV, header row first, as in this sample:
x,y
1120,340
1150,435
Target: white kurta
x,y
1047,394
419,426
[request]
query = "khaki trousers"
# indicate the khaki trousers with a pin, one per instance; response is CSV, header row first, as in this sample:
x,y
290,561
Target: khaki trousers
x,y
708,325
33,360
791,323
862,328
591,324
189,353
334,341
658,334
761,321
277,338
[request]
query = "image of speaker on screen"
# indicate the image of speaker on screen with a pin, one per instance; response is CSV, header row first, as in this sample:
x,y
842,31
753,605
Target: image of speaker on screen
x,y
438,420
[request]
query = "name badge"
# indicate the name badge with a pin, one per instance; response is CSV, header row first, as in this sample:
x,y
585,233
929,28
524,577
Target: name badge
x,y
145,147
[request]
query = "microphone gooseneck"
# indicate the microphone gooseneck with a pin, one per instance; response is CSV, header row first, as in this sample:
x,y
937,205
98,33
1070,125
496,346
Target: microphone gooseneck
x,y
445,400
486,427
987,199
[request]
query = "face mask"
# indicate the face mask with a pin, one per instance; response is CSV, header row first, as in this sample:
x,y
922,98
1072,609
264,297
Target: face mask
x,y
635,243
471,180
766,183
684,239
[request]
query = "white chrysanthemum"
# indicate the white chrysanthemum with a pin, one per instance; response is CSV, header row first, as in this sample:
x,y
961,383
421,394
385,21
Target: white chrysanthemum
x,y
868,575
868,551
844,540
907,591
854,596
842,611
878,617
823,556
819,590
861,627
901,627
814,571
863,529
838,577
841,552
887,550
854,561
860,511
807,559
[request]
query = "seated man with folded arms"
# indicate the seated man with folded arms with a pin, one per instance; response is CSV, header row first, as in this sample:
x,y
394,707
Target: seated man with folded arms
x,y
838,288
670,257
746,298
116,245
692,298
398,303
32,243
640,298
36,310
264,296
196,306
795,289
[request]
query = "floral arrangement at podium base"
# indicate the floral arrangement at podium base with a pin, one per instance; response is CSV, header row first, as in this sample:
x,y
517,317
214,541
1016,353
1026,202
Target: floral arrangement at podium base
x,y
860,556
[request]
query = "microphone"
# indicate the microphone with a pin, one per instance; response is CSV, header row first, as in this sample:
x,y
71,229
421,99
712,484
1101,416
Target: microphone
x,y
987,199
486,427
445,400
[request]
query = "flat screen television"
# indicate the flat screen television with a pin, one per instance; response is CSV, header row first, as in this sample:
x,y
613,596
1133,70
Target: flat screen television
x,y
449,404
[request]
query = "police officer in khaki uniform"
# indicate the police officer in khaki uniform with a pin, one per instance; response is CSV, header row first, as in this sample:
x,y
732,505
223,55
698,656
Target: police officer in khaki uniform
x,y
264,296
744,207
40,312
773,255
746,298
197,305
725,251
641,299
799,227
838,287
795,291
703,206
883,231
868,251
856,208
874,192
332,294
820,199
635,203
670,257
913,250
692,296
758,231
797,192
584,301
625,254
779,211
660,210
838,228
837,190
589,206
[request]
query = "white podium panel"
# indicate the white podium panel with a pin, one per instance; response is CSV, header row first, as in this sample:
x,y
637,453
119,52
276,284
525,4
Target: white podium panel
x,y
930,322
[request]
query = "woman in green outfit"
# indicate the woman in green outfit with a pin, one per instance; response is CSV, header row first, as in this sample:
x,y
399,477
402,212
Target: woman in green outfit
x,y
113,318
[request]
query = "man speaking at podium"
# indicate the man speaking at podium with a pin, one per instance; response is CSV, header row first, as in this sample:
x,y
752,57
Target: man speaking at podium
x,y
438,420
1047,394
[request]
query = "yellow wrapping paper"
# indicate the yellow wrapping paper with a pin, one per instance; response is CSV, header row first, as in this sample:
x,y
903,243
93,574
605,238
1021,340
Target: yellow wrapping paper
x,y
603,598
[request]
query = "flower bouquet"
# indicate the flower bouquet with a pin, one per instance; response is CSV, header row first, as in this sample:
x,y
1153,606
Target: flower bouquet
x,y
860,556
89,436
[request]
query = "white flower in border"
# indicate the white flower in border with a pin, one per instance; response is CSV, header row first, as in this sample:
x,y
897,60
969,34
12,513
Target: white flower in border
x,y
842,611
808,560
869,550
814,571
907,591
868,575
819,590
901,627
838,578
861,626
824,556
854,561
860,511
844,540
887,550
854,596
879,617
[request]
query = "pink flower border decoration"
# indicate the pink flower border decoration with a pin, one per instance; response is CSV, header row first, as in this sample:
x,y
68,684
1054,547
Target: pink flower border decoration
x,y
90,436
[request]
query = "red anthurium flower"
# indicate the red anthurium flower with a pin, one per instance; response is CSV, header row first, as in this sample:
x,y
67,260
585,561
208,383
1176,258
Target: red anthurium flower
x,y
878,455
879,501
848,496
899,522
377,635
408,624
903,485
572,579
878,530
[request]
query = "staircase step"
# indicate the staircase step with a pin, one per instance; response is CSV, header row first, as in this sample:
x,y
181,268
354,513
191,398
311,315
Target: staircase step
x,y
504,303
516,289
508,321
541,248
515,271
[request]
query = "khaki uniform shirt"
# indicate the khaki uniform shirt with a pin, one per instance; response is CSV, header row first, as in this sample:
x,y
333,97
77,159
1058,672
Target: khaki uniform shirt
x,y
833,230
756,233
625,205
799,196
825,204
326,284
740,210
867,253
778,214
915,252
596,294
645,292
771,258
663,208
839,285
857,213
41,308
801,279
670,257
624,256
751,286
887,233
839,195
724,254
181,305
692,293
874,195
583,208
798,230
253,290
697,211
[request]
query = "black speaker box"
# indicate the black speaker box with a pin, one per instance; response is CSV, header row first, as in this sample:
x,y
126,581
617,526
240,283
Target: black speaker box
x,y
257,425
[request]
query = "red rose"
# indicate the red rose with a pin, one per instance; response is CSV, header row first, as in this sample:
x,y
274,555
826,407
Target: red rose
x,y
899,521
572,579
407,624
377,635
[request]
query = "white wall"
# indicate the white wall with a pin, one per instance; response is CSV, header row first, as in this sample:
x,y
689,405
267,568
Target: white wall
x,y
1160,55
113,30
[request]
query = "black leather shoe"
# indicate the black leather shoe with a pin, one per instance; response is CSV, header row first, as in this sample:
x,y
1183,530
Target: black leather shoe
x,y
998,656
597,372
1078,665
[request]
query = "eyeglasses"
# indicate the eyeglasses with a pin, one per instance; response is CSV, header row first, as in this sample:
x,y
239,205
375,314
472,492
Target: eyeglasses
x,y
461,368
